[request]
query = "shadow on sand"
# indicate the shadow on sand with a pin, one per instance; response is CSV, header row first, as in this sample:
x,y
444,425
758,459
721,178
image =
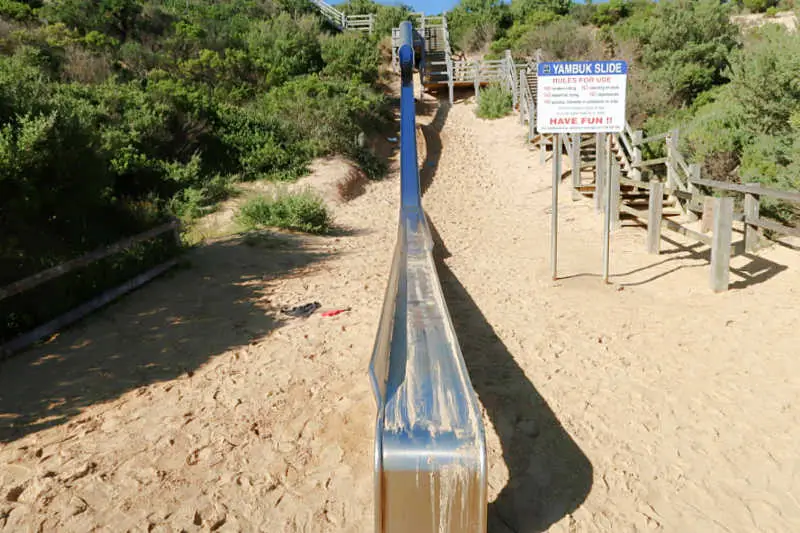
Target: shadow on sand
x,y
163,331
549,475
757,270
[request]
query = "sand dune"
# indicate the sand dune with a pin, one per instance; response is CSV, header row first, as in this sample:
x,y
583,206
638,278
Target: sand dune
x,y
647,405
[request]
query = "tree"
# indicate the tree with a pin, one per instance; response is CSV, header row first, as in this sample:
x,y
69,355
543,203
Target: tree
x,y
764,79
284,47
687,44
520,9
116,17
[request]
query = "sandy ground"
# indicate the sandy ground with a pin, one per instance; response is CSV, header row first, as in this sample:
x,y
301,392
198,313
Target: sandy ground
x,y
787,19
647,405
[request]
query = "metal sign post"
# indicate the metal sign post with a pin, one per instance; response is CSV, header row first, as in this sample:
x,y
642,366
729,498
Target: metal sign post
x,y
607,210
554,210
582,97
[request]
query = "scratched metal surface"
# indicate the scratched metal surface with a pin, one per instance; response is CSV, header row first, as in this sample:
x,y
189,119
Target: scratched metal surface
x,y
430,455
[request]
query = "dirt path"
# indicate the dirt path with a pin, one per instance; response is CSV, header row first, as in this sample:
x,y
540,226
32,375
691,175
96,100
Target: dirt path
x,y
191,405
651,404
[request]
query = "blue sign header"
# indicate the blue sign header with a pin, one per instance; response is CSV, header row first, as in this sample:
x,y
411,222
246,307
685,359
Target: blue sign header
x,y
583,68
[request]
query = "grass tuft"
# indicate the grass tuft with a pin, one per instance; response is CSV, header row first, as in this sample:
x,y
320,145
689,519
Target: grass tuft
x,y
303,211
494,102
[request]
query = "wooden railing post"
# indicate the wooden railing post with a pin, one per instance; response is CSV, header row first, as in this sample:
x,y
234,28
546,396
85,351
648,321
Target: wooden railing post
x,y
751,232
672,180
576,166
477,70
636,141
613,189
177,233
655,208
509,65
523,72
721,243
531,119
694,174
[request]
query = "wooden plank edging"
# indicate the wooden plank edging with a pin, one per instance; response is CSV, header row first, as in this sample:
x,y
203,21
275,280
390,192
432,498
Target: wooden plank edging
x,y
751,189
59,270
26,339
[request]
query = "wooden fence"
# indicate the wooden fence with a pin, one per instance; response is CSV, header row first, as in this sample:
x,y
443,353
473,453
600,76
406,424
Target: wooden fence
x,y
618,163
364,23
79,312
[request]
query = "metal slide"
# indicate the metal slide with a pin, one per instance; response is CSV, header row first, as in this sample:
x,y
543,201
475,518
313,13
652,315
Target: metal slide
x,y
430,452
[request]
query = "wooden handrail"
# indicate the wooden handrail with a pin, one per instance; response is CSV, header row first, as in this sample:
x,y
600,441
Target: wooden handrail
x,y
773,226
59,270
756,190
654,138
628,129
682,163
627,143
651,162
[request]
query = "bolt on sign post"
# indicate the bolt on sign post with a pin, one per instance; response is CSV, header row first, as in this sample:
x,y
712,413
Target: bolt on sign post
x,y
581,97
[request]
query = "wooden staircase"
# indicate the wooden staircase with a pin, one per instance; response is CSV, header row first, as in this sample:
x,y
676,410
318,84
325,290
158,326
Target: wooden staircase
x,y
532,79
630,196
432,46
342,22
633,196
434,69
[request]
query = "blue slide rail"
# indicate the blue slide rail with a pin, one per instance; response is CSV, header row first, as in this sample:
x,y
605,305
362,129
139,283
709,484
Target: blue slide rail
x,y
430,451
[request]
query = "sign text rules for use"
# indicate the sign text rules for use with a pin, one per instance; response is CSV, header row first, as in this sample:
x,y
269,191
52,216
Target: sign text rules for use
x,y
581,97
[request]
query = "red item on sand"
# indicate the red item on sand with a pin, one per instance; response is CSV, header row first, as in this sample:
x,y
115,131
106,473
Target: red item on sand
x,y
334,312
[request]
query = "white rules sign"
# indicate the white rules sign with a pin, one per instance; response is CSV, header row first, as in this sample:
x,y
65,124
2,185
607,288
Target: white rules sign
x,y
581,96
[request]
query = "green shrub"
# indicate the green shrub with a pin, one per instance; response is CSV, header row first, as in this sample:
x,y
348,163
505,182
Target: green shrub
x,y
684,44
771,11
759,6
764,79
473,24
116,114
388,17
259,146
304,211
15,10
350,55
583,13
495,102
118,18
325,115
717,132
562,40
610,12
358,7
373,166
522,9
284,47
752,125
478,37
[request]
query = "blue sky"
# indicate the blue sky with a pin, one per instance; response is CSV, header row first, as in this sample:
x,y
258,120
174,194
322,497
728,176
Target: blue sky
x,y
428,6
432,6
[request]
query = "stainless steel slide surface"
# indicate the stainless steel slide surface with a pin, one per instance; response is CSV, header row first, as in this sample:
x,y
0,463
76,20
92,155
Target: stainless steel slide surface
x,y
430,454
